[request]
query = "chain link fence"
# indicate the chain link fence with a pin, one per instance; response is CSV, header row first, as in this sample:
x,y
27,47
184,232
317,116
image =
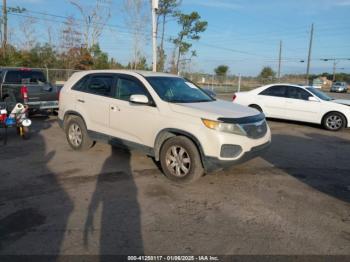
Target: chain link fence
x,y
231,84
219,84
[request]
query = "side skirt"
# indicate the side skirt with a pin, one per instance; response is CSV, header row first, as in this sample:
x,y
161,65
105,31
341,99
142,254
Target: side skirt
x,y
121,143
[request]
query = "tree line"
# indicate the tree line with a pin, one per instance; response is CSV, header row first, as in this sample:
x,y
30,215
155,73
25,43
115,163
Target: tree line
x,y
75,44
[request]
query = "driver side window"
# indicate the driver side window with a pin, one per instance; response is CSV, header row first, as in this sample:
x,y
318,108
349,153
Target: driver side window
x,y
297,93
128,87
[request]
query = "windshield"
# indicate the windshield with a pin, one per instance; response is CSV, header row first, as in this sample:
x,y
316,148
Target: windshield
x,y
178,90
319,94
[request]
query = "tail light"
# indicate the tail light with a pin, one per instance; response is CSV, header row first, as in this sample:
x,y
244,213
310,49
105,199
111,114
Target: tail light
x,y
24,93
234,97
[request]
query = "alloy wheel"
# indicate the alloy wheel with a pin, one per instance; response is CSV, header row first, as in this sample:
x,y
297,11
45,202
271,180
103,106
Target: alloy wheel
x,y
334,122
178,161
75,135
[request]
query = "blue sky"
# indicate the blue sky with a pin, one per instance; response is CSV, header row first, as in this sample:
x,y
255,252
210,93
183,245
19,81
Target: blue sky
x,y
243,34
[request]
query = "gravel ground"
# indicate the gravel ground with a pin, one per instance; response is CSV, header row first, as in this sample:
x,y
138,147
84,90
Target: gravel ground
x,y
294,199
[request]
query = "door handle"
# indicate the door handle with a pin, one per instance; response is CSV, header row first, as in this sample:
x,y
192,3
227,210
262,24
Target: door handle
x,y
81,101
115,108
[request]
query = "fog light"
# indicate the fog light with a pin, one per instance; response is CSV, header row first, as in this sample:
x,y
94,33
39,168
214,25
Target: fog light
x,y
230,151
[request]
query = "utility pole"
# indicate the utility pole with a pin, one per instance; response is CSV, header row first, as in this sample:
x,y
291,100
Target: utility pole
x,y
279,61
239,82
154,33
309,56
335,63
4,17
334,68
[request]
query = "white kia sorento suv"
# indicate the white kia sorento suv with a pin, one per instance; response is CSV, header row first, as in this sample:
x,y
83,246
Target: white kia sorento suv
x,y
168,117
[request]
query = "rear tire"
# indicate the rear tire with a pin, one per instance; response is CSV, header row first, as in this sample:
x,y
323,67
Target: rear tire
x,y
77,135
180,160
334,121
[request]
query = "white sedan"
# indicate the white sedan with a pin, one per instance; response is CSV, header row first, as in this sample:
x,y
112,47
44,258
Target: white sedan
x,y
298,103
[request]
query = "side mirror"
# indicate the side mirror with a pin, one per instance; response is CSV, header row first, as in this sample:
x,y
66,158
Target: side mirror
x,y
313,99
139,99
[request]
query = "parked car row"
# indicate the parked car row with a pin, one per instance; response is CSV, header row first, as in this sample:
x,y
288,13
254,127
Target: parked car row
x,y
183,127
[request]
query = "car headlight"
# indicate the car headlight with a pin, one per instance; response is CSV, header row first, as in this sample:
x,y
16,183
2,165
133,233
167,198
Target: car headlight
x,y
224,127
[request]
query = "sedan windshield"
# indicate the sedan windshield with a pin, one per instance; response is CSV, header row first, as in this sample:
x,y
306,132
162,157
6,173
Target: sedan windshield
x,y
178,90
319,94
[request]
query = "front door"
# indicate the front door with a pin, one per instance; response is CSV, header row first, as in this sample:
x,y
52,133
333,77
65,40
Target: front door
x,y
298,106
133,122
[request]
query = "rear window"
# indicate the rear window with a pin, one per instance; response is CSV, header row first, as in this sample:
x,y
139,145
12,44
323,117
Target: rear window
x,y
25,77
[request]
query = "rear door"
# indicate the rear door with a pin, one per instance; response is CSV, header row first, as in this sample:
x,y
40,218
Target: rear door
x,y
94,102
272,101
298,106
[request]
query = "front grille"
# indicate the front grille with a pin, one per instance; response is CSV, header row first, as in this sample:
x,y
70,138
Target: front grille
x,y
255,130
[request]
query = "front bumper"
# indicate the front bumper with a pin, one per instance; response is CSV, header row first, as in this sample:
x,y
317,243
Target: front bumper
x,y
212,164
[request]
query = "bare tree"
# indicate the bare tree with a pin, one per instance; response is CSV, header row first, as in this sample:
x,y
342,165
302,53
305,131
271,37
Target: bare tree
x,y
94,19
27,33
137,16
70,35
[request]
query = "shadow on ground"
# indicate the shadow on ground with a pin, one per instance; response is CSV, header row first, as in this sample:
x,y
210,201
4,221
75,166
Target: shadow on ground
x,y
320,161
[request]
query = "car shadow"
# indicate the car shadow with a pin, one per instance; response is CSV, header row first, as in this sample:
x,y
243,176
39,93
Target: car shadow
x,y
116,192
320,161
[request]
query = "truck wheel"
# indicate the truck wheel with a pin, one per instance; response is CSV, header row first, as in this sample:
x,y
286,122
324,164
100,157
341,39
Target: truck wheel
x,y
180,160
77,135
334,121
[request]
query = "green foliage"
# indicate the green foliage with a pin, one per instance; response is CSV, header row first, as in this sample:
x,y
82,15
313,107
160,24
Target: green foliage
x,y
42,56
221,70
100,59
166,8
140,65
191,26
267,74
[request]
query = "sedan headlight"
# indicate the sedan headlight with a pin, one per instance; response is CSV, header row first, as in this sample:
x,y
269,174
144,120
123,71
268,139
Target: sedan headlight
x,y
224,127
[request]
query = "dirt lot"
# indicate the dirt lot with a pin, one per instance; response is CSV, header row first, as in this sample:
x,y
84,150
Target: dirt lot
x,y
295,199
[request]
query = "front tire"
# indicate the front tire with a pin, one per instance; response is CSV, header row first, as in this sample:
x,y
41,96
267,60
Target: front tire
x,y
334,121
77,135
180,160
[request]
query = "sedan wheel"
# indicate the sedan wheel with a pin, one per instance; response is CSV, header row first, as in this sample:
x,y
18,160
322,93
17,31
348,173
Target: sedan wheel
x,y
334,122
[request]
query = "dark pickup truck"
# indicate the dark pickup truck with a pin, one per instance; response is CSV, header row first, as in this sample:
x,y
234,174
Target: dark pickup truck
x,y
28,87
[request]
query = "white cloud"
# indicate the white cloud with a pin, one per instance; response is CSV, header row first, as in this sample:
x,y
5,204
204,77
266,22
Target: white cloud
x,y
222,4
342,3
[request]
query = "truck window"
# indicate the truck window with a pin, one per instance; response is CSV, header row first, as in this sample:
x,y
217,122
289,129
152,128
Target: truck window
x,y
25,77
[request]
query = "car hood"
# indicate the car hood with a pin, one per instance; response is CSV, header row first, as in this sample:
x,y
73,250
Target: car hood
x,y
342,101
214,109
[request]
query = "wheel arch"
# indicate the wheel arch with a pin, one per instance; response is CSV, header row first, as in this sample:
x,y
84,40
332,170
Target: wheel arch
x,y
167,133
334,111
256,105
72,113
